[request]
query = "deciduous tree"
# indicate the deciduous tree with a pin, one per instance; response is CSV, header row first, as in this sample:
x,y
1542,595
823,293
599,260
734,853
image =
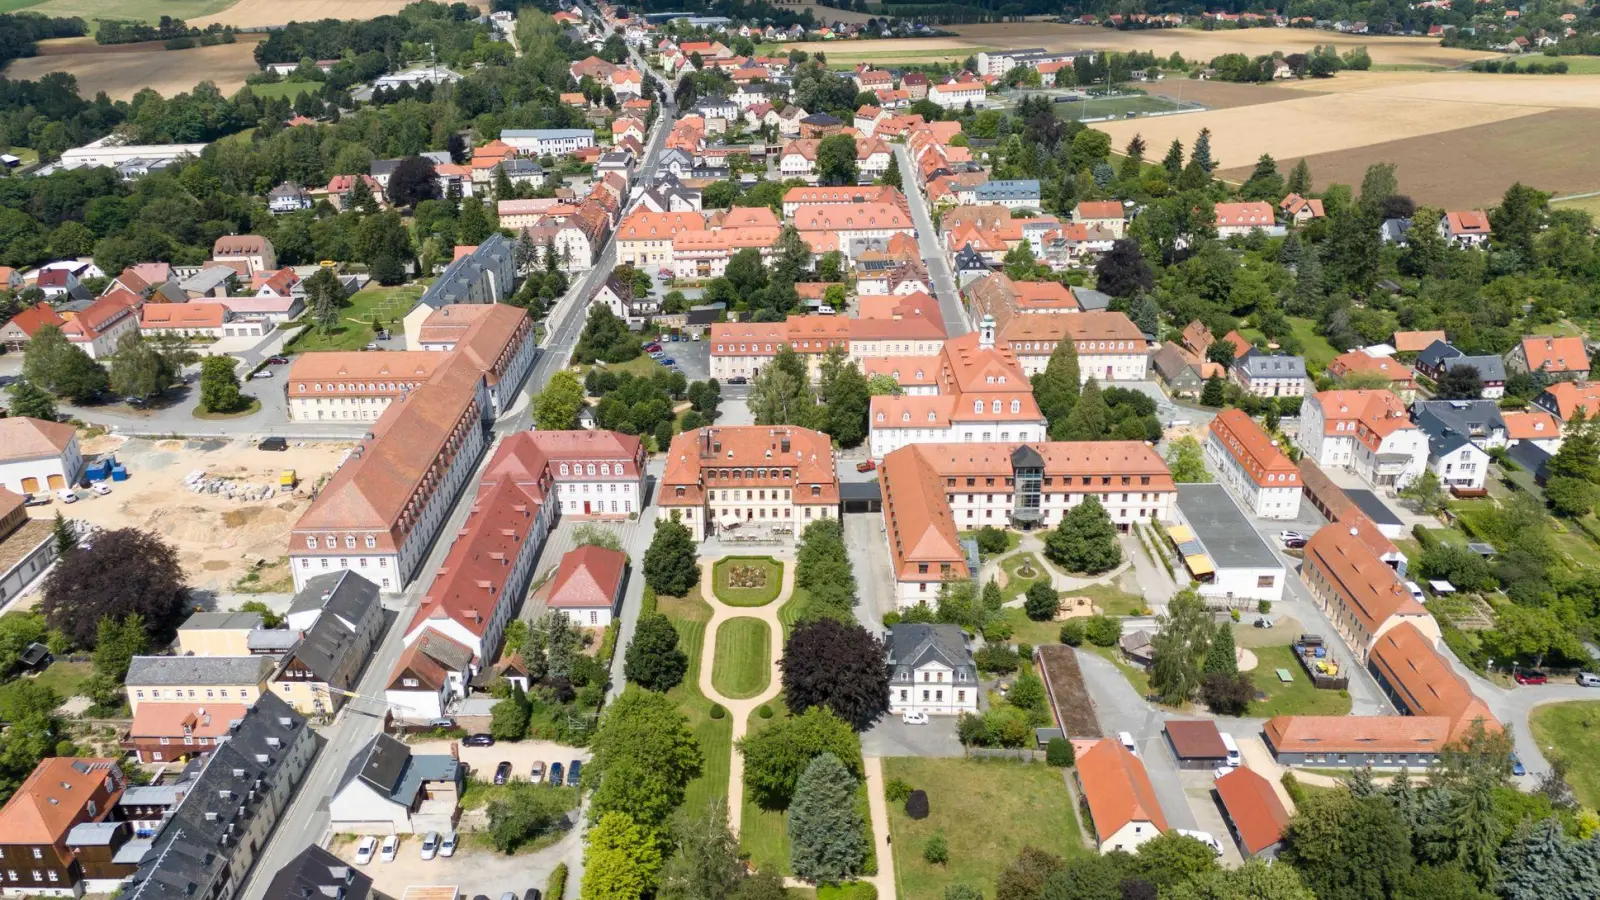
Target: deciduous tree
x,y
557,406
1085,540
775,756
669,564
654,660
621,860
127,572
219,384
828,663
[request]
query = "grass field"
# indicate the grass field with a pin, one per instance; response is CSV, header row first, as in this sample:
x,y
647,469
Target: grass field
x,y
1318,352
1590,205
689,616
1017,584
987,810
145,10
289,89
764,834
1572,732
1115,108
1298,698
743,663
790,612
354,330
752,596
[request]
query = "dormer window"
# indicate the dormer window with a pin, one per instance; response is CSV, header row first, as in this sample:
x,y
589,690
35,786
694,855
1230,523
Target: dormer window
x,y
1016,406
977,406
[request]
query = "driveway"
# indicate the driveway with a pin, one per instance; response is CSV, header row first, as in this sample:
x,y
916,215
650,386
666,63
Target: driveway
x,y
869,559
476,868
893,737
1120,708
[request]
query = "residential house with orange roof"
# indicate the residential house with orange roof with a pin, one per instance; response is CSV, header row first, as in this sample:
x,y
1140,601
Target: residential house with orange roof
x,y
1362,596
763,480
1110,347
1362,365
1565,399
1004,299
51,828
644,239
253,250
179,731
1107,214
1560,358
1367,432
16,333
846,195
1122,802
1300,210
587,587
97,328
1258,473
1533,426
1466,228
194,320
933,491
1239,219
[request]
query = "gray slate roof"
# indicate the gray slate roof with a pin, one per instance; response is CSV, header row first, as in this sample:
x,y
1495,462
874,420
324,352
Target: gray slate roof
x,y
1256,364
1021,189
146,671
190,853
1478,418
316,873
454,284
390,768
202,621
912,646
1222,528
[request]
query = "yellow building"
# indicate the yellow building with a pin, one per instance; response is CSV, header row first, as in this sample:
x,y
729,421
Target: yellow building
x,y
217,633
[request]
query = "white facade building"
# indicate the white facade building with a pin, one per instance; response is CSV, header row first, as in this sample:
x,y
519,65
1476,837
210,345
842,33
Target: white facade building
x,y
38,456
1264,479
931,670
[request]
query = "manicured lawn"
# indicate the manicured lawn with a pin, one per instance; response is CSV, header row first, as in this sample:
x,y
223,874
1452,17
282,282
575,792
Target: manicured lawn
x,y
764,834
1110,599
354,330
792,609
1298,698
641,366
1026,631
987,810
1116,107
1018,584
288,89
250,409
1318,352
743,665
65,678
748,596
1572,732
689,616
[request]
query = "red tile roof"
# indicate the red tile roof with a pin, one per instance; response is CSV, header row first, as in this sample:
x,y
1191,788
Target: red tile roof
x,y
1556,354
55,796
1117,789
1257,813
1366,587
588,578
1256,453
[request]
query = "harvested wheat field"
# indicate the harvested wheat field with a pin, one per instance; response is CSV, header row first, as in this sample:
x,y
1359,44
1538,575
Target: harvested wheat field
x,y
218,539
255,13
1205,45
1416,120
169,72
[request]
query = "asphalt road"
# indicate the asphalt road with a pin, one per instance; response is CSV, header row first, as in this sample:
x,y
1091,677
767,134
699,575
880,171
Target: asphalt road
x,y
306,819
944,286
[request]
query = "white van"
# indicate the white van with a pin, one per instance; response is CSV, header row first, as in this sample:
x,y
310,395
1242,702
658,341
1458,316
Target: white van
x,y
1125,738
1234,759
1415,590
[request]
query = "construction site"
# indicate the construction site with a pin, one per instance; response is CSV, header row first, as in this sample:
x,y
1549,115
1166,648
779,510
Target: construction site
x,y
225,506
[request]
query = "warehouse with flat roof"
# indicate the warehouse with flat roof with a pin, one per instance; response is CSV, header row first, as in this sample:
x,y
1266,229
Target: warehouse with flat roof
x,y
1222,550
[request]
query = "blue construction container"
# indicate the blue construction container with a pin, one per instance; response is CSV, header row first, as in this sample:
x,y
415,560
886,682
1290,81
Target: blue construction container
x,y
98,471
119,473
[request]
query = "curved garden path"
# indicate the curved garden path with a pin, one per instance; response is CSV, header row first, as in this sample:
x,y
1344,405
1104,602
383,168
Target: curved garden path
x,y
741,710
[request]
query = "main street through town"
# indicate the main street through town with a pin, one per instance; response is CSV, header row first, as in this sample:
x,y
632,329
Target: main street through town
x,y
306,819
933,256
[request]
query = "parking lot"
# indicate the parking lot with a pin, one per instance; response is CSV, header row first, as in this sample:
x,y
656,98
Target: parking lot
x,y
481,761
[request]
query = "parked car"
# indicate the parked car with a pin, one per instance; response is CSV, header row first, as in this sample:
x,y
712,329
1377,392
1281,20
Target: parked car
x,y
1220,771
1531,676
866,466
430,845
1296,544
264,373
502,772
825,310
274,443
365,849
478,740
1415,590
277,360
1204,837
738,379
669,361
1263,622
441,723
1517,768
555,774
391,846
574,772
1287,536
531,894
101,488
656,354
915,717
673,338
536,774
652,347
371,345
1125,738
447,847
1588,679
67,496
665,273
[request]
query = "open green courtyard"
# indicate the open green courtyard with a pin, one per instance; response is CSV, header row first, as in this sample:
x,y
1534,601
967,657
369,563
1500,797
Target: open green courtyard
x,y
354,329
747,580
743,664
689,616
1298,697
987,811
1571,731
